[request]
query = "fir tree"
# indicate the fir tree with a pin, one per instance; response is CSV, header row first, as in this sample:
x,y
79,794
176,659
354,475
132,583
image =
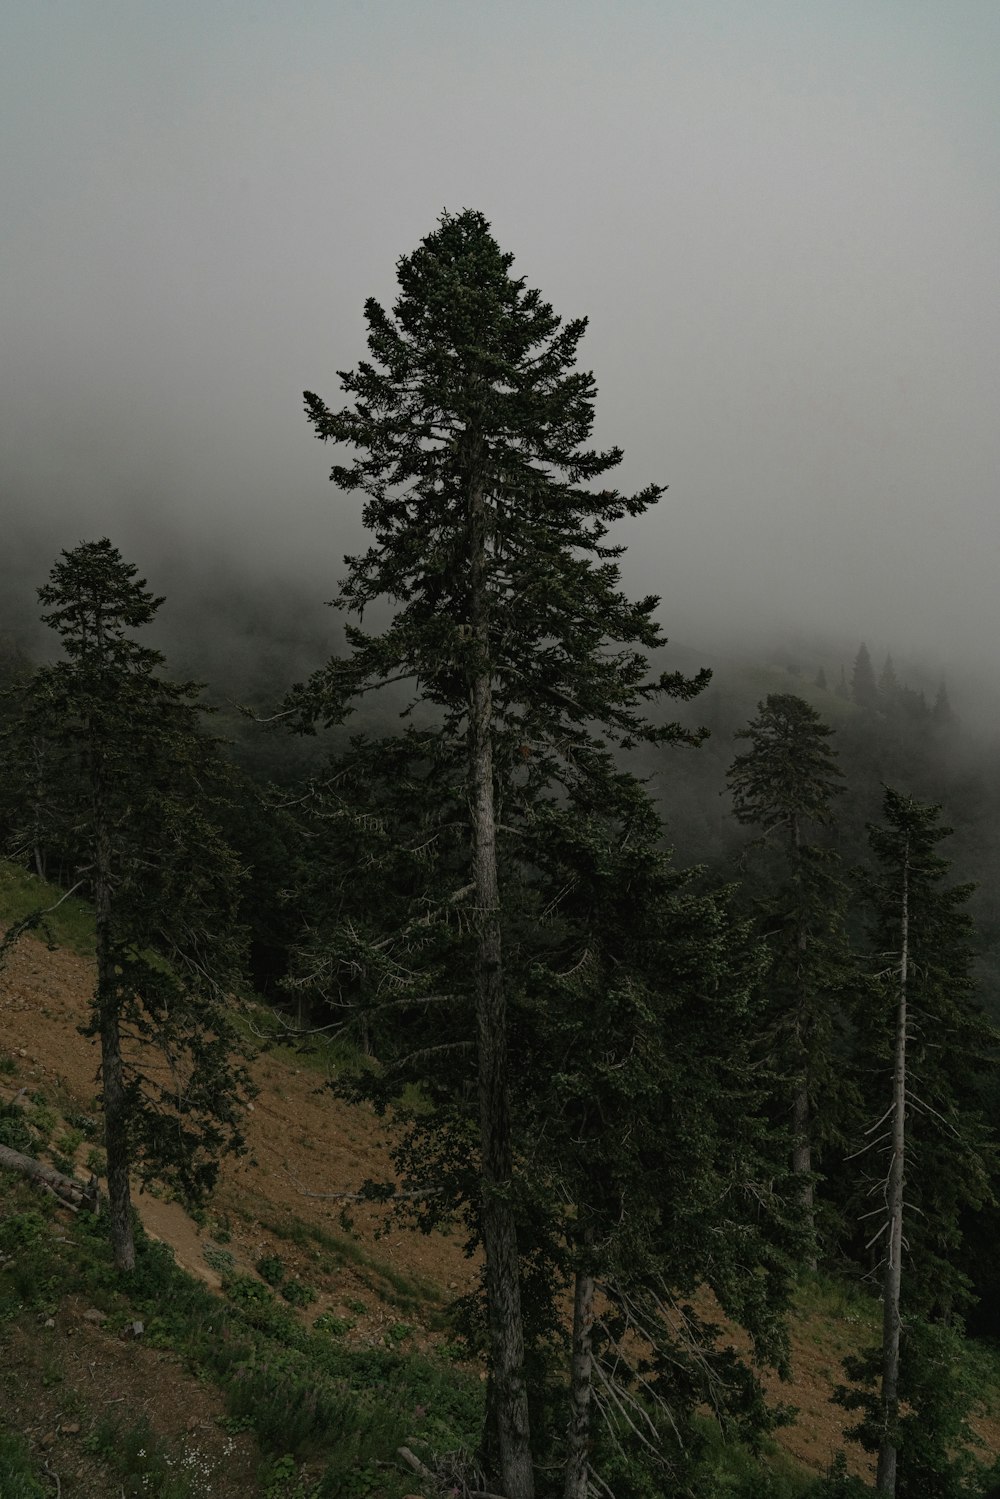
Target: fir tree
x,y
888,684
128,786
785,784
470,422
864,689
942,714
821,679
648,995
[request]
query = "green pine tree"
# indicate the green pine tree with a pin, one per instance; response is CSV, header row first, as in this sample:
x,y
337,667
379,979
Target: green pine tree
x,y
470,423
888,685
784,784
128,788
942,713
864,688
642,1105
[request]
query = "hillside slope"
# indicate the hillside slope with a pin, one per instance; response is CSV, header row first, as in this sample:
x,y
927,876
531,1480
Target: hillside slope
x,y
384,1287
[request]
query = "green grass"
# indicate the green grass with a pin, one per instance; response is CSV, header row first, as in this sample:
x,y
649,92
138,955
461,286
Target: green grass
x,y
274,1033
831,1299
70,925
18,1477
307,1397
392,1286
729,1470
145,1467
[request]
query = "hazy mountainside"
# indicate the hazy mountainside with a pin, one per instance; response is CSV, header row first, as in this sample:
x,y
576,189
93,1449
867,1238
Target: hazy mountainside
x,y
659,1039
955,763
100,1407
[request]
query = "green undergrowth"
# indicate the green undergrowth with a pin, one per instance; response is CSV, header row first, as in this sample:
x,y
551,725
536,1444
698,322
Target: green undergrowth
x,y
70,924
394,1287
18,1476
729,1470
271,1031
328,1417
839,1315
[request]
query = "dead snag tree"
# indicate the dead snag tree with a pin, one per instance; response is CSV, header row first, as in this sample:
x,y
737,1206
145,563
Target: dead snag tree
x,y
925,1041
469,424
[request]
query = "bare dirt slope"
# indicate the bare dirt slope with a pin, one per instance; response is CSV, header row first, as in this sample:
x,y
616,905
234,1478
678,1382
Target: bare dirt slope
x,y
303,1140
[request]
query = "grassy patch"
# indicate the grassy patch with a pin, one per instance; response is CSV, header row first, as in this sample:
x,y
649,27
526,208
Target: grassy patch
x,y
309,1399
145,1467
830,1299
729,1470
70,925
270,1031
394,1287
18,1476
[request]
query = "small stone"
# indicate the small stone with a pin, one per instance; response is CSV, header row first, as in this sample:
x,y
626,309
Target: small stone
x,y
49,1322
72,1430
93,1315
137,1329
49,1439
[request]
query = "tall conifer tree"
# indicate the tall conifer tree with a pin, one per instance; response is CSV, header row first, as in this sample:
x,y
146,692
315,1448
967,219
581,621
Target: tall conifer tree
x,y
785,784
127,802
864,688
643,1105
470,423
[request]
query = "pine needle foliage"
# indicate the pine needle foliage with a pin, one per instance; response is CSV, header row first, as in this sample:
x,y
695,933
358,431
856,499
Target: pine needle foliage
x,y
469,425
472,386
784,784
130,788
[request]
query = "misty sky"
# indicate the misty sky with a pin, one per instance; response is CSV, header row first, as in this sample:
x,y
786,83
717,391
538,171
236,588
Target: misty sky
x,y
781,217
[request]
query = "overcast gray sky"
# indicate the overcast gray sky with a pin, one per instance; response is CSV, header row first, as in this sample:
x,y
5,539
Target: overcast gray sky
x,y
781,217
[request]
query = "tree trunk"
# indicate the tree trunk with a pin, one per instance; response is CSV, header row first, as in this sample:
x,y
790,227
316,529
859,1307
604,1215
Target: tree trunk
x,y
503,1286
885,1481
581,1374
802,1163
116,1146
801,1143
74,1194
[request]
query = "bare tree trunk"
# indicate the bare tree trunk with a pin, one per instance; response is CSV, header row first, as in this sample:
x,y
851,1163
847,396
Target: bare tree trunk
x,y
885,1481
503,1286
37,851
581,1375
74,1194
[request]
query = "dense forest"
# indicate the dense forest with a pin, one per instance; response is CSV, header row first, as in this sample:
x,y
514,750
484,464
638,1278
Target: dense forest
x,y
681,975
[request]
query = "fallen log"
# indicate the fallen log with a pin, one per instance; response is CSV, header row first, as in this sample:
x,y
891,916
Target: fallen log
x,y
75,1194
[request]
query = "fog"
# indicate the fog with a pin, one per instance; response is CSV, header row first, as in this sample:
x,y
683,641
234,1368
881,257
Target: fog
x,y
781,219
